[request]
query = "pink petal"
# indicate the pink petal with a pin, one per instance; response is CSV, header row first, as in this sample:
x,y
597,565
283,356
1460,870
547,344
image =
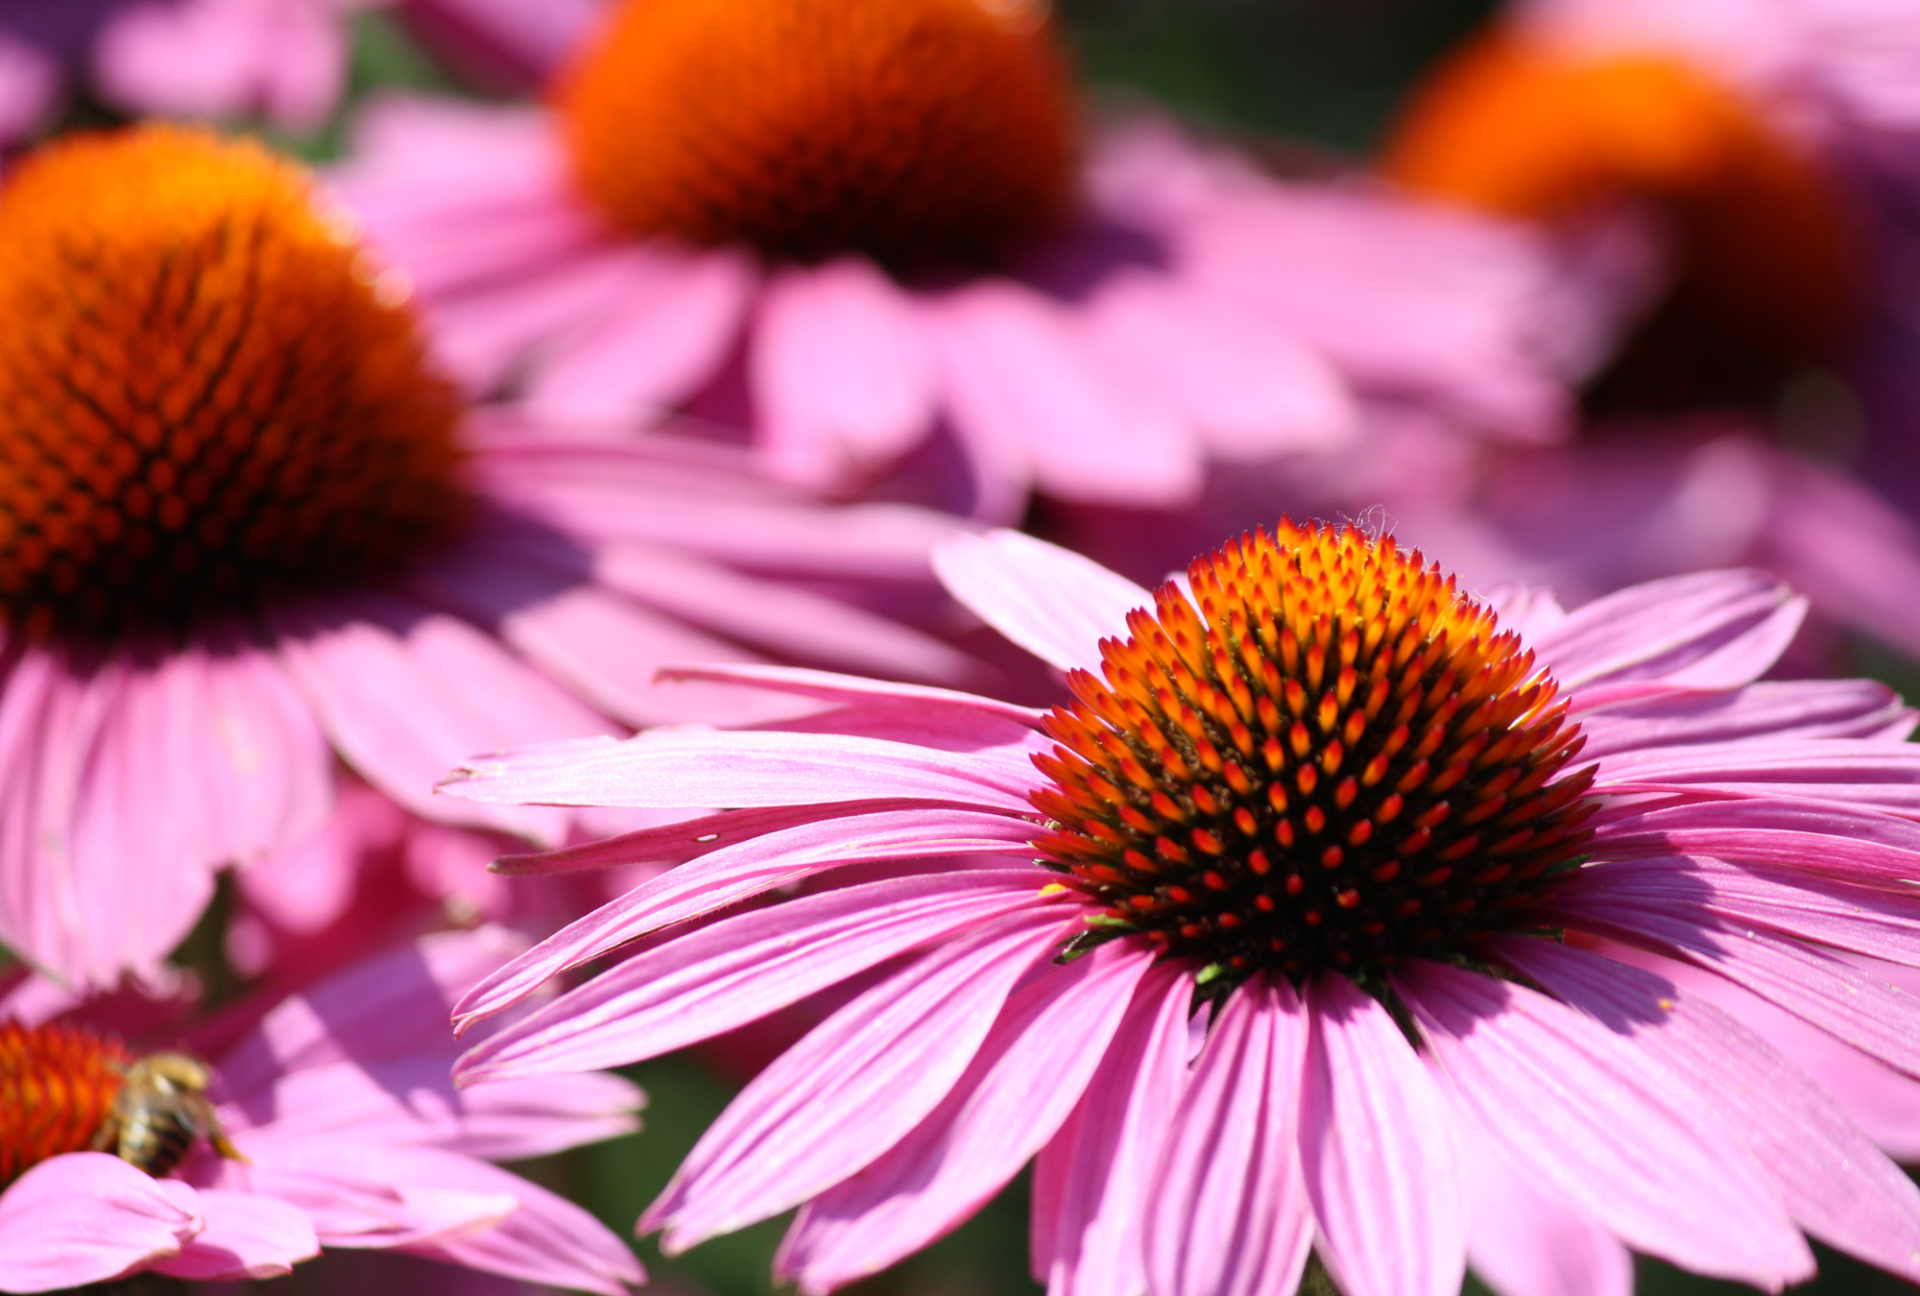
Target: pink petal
x,y
1051,601
1019,1089
775,615
1229,1215
1376,1152
1857,845
1881,1101
930,717
1867,1012
1838,771
1034,397
360,1195
546,1240
484,333
1524,1243
411,1101
692,495
855,1086
1707,630
88,1217
1867,920
247,1236
744,968
405,692
747,868
1252,389
676,319
1091,1182
217,58
673,768
840,369
1579,1110
388,1006
30,87
1836,1184
1798,709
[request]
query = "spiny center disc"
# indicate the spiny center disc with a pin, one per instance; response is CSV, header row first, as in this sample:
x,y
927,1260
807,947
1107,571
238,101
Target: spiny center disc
x,y
1335,761
918,132
205,397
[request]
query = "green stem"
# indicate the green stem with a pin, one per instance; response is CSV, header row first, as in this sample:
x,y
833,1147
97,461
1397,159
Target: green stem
x,y
1316,1281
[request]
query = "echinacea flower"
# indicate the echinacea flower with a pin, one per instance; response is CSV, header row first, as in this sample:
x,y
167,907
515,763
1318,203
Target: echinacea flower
x,y
1295,927
1766,153
343,1131
244,527
870,235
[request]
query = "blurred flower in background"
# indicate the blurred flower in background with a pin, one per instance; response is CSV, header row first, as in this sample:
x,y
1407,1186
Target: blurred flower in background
x,y
248,528
341,1129
882,240
1768,158
1320,948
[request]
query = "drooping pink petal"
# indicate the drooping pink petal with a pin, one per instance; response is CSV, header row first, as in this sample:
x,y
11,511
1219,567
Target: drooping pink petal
x,y
405,692
1867,1012
1835,1183
1376,1152
773,615
743,968
1252,389
854,1086
1051,601
1022,387
540,597
1091,1183
745,869
1586,1114
411,1101
1524,1243
248,1236
1706,630
838,365
671,768
129,782
1229,1213
88,1217
1019,1089
379,1008
677,316
547,1239
363,1195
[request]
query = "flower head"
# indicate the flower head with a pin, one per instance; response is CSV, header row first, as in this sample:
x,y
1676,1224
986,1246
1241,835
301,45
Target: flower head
x,y
916,133
887,212
328,1123
1765,274
245,526
1337,935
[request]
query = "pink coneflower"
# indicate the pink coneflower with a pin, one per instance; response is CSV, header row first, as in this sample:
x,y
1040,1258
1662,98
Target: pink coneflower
x,y
329,1124
244,528
870,233
1767,150
1286,931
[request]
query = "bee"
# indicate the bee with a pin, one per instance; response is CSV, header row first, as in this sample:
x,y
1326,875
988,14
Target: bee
x,y
159,1114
